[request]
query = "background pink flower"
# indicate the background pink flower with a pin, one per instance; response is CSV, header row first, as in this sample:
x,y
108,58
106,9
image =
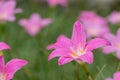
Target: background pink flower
x,y
34,24
75,48
115,77
95,25
115,43
57,2
8,10
114,17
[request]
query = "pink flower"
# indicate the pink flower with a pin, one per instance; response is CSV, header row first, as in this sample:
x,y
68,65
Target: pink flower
x,y
4,46
8,11
7,71
115,77
95,25
34,24
57,2
75,48
115,43
114,17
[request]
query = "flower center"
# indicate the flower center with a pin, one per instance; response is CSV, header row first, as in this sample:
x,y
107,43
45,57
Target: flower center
x,y
3,16
92,31
2,77
118,45
1,53
77,52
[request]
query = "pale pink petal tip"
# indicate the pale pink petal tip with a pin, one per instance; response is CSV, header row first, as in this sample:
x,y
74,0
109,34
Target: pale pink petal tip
x,y
63,60
109,79
4,46
96,43
46,22
18,10
51,46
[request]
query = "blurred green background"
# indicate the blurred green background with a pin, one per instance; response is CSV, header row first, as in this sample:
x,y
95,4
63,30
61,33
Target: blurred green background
x,y
34,50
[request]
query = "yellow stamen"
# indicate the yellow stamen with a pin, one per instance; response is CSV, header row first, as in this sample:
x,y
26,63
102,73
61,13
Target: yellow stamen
x,y
78,52
73,53
1,53
3,16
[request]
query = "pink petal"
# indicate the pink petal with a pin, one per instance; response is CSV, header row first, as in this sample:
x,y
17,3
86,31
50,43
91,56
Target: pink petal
x,y
45,22
11,18
1,3
35,18
63,2
109,49
109,79
64,60
96,43
95,25
118,33
2,64
18,10
110,37
62,42
4,46
53,2
78,35
114,17
87,57
13,66
57,53
9,7
10,4
23,22
118,54
117,76
31,27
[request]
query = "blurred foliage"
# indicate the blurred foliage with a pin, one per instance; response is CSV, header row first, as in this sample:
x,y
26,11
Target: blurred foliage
x,y
34,50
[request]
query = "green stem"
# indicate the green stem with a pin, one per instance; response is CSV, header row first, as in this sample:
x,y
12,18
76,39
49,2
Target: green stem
x,y
3,31
118,67
83,65
76,71
28,73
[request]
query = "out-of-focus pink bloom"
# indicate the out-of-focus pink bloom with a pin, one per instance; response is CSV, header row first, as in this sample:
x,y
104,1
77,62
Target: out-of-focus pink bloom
x,y
95,25
75,48
115,43
114,17
4,46
34,24
8,10
115,77
7,71
57,2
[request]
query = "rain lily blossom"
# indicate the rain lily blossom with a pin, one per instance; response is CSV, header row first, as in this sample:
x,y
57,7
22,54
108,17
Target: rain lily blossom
x,y
7,71
115,77
75,48
95,25
114,17
53,3
115,43
34,24
8,10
